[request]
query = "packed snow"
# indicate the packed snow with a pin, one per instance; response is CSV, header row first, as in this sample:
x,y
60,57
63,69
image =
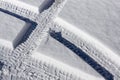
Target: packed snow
x,y
99,18
54,49
94,21
12,29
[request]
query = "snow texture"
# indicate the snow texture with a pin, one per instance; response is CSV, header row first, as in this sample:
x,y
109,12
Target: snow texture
x,y
98,18
35,45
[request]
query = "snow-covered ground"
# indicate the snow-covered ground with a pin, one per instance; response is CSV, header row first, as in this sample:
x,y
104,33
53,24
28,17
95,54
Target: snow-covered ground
x,y
98,18
11,29
36,3
24,5
54,49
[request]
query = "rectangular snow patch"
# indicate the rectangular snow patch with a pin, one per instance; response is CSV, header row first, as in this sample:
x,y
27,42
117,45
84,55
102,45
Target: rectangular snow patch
x,y
12,29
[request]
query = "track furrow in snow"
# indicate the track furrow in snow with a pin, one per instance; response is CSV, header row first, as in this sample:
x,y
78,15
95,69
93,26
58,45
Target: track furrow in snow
x,y
93,47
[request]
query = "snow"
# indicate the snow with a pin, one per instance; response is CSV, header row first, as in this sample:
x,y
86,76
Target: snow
x,y
10,31
88,20
24,5
38,5
6,43
62,66
54,49
90,40
99,18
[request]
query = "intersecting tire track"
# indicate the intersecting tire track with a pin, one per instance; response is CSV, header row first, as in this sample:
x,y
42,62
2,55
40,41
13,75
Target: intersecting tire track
x,y
23,51
13,66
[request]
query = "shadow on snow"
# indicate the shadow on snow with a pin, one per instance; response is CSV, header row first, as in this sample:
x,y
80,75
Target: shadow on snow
x,y
24,34
101,70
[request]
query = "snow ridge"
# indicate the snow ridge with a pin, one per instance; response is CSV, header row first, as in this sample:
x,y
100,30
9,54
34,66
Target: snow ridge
x,y
88,44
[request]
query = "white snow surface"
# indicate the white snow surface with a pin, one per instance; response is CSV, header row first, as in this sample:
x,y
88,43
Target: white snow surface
x,y
99,18
36,3
95,21
24,5
10,31
90,40
54,49
62,66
